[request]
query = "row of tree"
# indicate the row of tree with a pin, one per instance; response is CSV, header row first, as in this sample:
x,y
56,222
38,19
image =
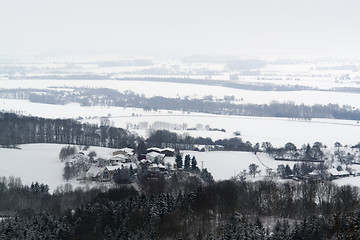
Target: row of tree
x,y
291,152
165,138
16,129
220,210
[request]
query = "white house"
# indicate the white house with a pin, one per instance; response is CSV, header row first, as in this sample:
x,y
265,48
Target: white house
x,y
100,174
152,156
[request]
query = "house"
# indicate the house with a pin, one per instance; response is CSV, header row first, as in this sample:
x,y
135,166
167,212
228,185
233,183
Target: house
x,y
154,149
101,162
344,174
127,153
100,174
335,174
118,159
122,165
105,174
168,152
153,156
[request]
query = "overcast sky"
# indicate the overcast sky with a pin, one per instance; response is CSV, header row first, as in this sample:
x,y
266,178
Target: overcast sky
x,y
164,27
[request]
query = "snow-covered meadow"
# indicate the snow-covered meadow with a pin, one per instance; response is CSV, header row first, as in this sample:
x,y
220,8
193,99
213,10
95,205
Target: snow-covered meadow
x,y
174,90
278,131
40,163
226,164
34,162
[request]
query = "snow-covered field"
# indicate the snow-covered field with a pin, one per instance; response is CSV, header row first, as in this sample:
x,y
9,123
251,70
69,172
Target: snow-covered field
x,y
278,131
33,162
173,90
39,162
224,165
354,181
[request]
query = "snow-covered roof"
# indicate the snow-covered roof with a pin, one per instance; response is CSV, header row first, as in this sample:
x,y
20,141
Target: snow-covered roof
x,y
143,161
160,149
335,172
125,165
112,168
118,157
344,172
94,171
315,173
124,151
155,149
129,151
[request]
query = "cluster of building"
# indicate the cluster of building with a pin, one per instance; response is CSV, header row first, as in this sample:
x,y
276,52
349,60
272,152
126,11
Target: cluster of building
x,y
102,170
330,174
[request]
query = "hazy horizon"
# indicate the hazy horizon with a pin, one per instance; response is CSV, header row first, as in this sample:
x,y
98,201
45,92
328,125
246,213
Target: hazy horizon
x,y
168,28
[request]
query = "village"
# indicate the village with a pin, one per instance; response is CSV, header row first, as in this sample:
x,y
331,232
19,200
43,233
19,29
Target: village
x,y
156,160
86,166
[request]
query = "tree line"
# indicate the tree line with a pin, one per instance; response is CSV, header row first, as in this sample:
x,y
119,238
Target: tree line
x,y
165,138
17,129
218,210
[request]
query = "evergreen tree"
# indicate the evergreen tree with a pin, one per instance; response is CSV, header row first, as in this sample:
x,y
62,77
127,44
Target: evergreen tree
x,y
288,171
179,161
206,176
297,170
122,176
281,170
187,162
141,149
194,164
